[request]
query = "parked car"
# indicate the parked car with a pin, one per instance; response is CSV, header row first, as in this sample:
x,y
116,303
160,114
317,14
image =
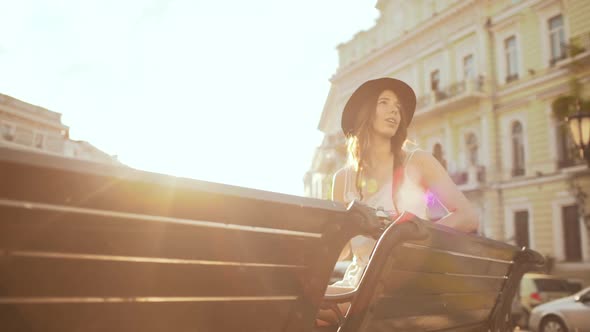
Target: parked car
x,y
570,313
575,285
536,289
339,271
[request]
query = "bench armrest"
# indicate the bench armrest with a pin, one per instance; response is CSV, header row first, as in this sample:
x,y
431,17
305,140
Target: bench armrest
x,y
337,298
331,301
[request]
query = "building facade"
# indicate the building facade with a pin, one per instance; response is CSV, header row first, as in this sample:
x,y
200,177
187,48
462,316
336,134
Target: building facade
x,y
30,127
486,74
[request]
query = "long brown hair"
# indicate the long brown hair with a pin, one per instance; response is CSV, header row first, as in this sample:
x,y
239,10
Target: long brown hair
x,y
359,142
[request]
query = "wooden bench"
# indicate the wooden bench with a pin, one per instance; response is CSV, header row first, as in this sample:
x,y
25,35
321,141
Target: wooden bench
x,y
425,277
88,247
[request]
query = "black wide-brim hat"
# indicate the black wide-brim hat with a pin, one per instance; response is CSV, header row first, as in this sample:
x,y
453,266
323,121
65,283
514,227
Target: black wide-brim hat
x,y
372,89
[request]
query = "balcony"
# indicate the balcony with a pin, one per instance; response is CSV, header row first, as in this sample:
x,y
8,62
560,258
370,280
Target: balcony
x,y
452,96
577,50
470,179
570,162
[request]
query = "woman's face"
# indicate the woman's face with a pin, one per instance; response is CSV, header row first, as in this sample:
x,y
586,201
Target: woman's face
x,y
387,114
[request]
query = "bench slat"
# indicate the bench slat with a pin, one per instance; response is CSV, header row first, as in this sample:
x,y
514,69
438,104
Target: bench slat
x,y
472,245
432,323
424,259
146,317
22,229
39,277
142,195
419,283
421,305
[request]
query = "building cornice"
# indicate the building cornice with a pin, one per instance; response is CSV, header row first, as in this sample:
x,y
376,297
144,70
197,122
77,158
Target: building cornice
x,y
546,3
32,118
26,111
527,84
561,175
406,38
507,16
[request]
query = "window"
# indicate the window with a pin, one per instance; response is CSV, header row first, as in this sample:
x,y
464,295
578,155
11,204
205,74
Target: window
x,y
511,59
472,149
434,80
556,38
7,131
468,67
517,149
571,233
437,152
521,228
38,141
553,285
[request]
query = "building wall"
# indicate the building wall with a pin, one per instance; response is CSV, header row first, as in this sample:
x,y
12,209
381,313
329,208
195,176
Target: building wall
x,y
439,35
30,127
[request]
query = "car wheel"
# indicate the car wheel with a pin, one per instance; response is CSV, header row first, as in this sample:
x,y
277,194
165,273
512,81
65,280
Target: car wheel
x,y
552,324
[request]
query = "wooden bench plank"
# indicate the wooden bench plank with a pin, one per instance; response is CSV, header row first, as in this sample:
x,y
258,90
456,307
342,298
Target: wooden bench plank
x,y
428,305
420,283
469,245
22,229
148,317
157,195
424,259
51,277
447,322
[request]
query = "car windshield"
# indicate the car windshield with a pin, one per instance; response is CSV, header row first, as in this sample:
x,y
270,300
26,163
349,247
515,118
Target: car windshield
x,y
553,285
585,291
575,287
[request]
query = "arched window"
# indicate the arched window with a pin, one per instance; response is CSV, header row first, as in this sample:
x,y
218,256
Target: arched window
x,y
517,135
472,149
437,152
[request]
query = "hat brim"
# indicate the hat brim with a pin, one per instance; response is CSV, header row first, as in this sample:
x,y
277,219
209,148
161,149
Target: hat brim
x,y
370,89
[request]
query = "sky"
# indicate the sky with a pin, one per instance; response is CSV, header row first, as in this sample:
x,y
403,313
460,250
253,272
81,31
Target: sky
x,y
223,91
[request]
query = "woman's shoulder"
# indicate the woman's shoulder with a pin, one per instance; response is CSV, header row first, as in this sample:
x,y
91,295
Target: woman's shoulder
x,y
413,153
421,164
416,156
418,163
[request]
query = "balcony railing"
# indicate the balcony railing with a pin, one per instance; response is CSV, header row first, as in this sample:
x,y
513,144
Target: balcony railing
x,y
579,44
451,91
472,177
569,162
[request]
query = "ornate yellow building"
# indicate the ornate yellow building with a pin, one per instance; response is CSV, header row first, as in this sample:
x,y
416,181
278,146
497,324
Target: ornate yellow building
x,y
486,74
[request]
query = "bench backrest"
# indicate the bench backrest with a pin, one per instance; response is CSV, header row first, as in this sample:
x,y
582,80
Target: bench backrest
x,y
424,277
88,247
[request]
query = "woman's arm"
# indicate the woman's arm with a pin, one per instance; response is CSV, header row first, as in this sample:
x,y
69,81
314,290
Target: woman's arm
x,y
430,173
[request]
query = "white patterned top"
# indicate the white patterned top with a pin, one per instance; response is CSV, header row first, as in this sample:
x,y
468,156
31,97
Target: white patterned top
x,y
411,198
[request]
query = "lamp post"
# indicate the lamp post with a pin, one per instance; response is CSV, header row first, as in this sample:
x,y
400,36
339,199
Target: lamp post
x,y
579,125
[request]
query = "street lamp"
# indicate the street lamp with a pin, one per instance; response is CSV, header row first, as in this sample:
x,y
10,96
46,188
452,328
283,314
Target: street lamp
x,y
579,124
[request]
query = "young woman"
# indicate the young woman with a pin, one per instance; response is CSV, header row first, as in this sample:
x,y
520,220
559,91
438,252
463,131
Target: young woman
x,y
384,174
